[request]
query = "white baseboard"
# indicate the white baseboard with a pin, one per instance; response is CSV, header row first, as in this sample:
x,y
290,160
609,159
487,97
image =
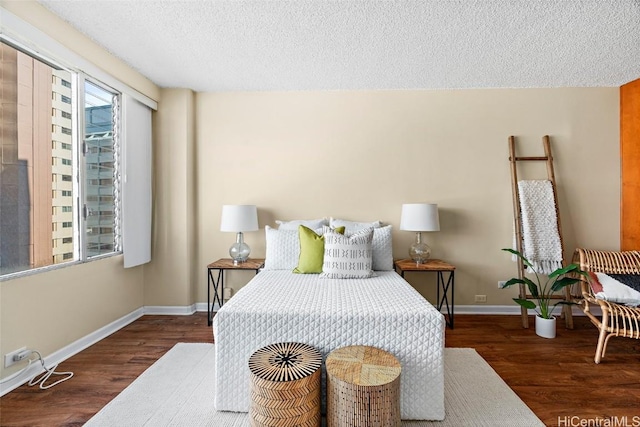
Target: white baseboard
x,y
512,310
16,380
172,310
484,309
202,306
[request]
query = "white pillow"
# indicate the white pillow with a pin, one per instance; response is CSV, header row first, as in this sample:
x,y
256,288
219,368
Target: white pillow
x,y
282,250
351,227
382,247
309,223
348,257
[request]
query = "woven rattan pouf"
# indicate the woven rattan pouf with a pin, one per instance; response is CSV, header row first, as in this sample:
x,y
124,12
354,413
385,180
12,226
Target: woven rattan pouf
x,y
285,385
363,387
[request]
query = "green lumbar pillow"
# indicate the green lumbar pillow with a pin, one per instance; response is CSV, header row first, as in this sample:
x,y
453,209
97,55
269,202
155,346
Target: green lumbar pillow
x,y
311,250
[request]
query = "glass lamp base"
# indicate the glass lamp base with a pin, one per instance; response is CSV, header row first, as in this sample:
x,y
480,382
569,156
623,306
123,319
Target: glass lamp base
x,y
420,252
239,251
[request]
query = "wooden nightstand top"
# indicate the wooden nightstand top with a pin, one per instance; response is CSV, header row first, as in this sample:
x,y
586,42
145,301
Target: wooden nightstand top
x,y
227,263
430,265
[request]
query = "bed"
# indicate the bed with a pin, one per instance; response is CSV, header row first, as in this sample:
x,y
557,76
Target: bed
x,y
382,311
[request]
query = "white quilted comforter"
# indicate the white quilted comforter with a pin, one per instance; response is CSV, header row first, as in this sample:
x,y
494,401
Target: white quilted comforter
x,y
383,311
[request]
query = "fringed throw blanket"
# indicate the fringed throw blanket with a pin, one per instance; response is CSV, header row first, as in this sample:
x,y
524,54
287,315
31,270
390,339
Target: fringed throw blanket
x,y
540,239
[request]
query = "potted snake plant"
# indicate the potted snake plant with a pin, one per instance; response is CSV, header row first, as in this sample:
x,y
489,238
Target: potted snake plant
x,y
543,293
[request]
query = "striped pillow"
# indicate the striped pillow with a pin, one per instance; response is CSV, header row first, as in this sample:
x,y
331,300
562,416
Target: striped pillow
x,y
348,257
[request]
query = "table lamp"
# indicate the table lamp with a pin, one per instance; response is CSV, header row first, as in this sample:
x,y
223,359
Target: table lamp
x,y
239,218
419,217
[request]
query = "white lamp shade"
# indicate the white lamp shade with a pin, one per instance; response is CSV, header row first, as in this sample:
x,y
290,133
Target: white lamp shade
x,y
420,217
239,218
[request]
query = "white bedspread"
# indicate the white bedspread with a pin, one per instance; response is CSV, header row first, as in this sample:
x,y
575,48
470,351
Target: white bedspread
x,y
383,311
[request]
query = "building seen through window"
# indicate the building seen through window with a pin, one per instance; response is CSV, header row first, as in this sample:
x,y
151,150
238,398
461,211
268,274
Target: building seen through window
x,y
42,190
100,172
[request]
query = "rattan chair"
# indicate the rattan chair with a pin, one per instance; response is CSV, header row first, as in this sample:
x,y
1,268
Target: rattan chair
x,y
616,319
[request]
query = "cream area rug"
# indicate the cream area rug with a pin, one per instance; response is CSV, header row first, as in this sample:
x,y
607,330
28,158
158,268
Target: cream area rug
x,y
178,390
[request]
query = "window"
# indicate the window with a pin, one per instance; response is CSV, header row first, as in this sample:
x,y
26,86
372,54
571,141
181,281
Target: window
x,y
100,167
78,195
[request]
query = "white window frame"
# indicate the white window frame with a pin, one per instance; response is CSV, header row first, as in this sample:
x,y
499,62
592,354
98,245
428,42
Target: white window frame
x,y
81,160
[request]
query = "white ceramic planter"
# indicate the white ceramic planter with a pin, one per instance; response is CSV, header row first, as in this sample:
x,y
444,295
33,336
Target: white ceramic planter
x,y
546,328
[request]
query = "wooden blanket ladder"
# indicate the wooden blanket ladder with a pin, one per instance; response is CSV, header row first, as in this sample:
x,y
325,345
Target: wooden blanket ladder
x,y
517,214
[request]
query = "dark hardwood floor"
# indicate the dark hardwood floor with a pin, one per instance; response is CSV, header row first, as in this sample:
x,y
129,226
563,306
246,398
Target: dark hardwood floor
x,y
556,378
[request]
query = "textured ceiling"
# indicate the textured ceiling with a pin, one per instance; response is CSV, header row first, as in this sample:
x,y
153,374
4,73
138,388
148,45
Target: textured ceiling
x,y
333,45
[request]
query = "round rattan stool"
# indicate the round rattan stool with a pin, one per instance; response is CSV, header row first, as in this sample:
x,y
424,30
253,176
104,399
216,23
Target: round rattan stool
x,y
285,385
363,387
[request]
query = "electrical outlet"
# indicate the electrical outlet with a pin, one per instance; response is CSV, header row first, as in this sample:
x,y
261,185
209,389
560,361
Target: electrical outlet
x,y
8,358
228,293
501,284
481,298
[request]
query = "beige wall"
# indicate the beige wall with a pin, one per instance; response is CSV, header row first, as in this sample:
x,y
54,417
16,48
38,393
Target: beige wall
x,y
48,311
360,155
169,276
